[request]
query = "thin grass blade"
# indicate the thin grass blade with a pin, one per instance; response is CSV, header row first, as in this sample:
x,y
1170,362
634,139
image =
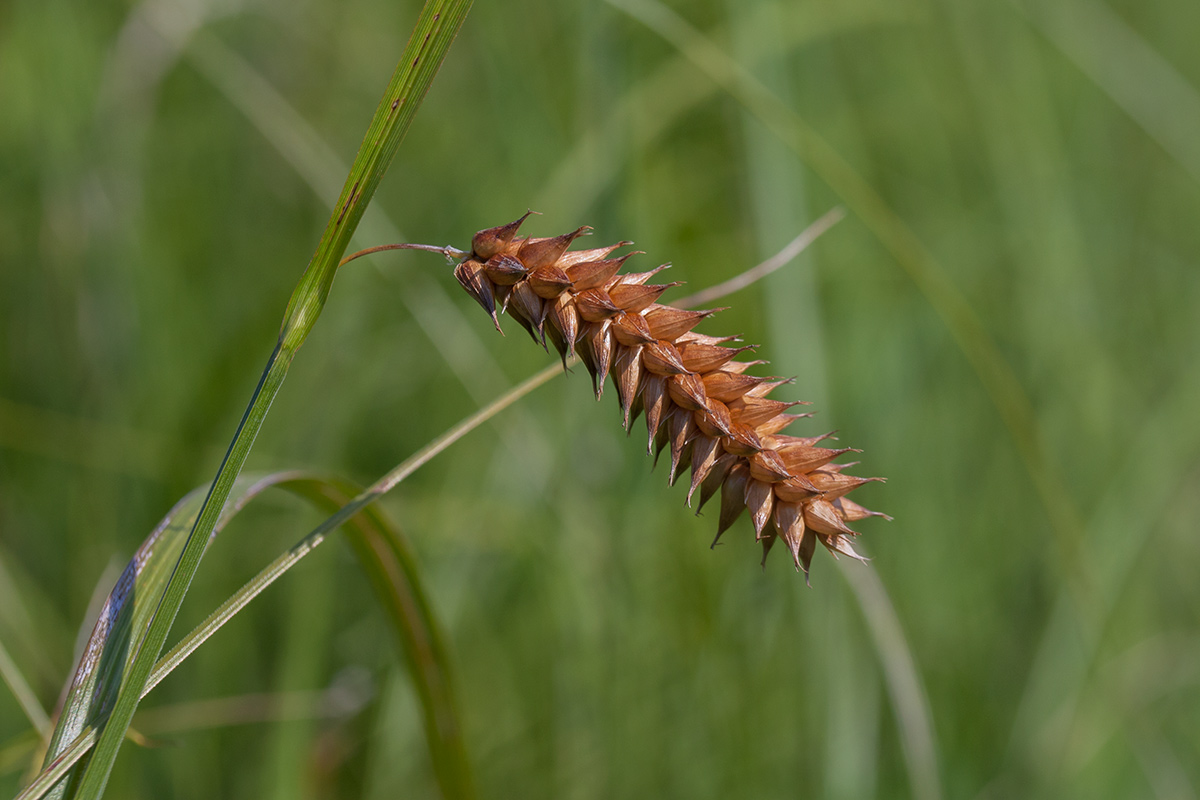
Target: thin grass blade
x,y
436,29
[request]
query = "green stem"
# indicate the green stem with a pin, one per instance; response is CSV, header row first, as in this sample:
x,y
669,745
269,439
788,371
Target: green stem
x,y
436,28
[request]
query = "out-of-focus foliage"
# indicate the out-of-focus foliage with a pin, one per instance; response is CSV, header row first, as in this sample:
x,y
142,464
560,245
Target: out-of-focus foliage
x,y
156,155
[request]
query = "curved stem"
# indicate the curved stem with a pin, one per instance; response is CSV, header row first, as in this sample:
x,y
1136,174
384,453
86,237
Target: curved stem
x,y
449,252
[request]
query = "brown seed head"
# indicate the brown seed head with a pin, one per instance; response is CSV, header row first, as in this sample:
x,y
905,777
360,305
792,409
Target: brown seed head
x,y
699,403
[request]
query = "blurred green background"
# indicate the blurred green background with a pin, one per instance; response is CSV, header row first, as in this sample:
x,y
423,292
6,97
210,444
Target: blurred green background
x,y
1006,323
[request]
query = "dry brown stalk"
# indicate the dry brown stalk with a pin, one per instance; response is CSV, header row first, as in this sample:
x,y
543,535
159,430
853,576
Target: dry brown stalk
x,y
699,403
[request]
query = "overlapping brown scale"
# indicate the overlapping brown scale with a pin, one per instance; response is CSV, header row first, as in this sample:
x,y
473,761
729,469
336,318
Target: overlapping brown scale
x,y
700,403
594,274
471,277
504,270
535,253
549,282
669,323
698,357
729,386
489,242
687,391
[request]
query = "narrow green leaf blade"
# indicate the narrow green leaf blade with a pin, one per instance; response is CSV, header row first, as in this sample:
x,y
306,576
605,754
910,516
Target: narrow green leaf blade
x,y
115,637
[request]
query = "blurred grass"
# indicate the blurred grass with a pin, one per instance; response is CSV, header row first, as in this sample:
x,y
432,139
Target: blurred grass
x,y
603,649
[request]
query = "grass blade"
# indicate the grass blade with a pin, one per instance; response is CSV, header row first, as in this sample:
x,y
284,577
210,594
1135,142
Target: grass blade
x,y
386,557
22,692
436,28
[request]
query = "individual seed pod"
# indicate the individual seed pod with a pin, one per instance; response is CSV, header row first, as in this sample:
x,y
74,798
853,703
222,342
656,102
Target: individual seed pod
x,y
796,489
631,278
742,440
823,517
633,298
596,351
778,423
631,330
535,253
662,358
504,270
714,420
703,358
526,304
754,411
733,497
488,243
768,467
760,499
670,323
594,274
705,450
808,547
789,521
549,282
833,485
728,387
853,512
800,458
691,337
564,325
595,305
838,543
470,276
654,398
687,392
715,478
809,441
627,375
573,257
683,430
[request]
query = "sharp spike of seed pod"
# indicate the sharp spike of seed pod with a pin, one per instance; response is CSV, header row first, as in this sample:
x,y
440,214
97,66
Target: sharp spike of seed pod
x,y
700,402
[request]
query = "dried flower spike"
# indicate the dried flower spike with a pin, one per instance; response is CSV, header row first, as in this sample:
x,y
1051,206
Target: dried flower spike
x,y
698,403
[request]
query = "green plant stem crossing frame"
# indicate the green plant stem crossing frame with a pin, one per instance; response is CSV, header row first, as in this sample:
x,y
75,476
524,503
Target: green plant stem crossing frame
x,y
436,28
